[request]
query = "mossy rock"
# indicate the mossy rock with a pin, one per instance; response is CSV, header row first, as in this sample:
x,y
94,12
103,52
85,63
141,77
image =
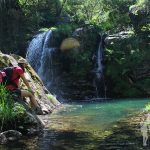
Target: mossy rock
x,y
35,83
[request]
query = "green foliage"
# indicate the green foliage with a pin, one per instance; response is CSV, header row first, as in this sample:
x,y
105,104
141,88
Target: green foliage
x,y
53,99
19,110
29,16
8,111
60,32
146,27
43,29
12,26
105,13
41,13
147,108
65,28
122,88
117,12
20,19
127,63
6,106
82,64
139,5
61,28
139,13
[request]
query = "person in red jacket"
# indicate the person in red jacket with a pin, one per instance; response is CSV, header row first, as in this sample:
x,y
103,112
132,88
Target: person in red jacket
x,y
18,73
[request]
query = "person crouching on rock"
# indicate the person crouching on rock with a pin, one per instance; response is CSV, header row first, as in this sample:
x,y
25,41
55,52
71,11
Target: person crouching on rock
x,y
18,72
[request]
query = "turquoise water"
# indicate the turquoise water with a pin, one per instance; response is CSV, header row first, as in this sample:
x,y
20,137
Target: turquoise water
x,y
80,125
95,115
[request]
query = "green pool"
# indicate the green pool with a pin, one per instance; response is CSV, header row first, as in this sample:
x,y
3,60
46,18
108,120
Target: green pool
x,y
81,125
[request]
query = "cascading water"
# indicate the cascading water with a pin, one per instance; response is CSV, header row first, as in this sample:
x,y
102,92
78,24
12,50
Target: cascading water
x,y
47,61
34,51
100,57
99,79
39,55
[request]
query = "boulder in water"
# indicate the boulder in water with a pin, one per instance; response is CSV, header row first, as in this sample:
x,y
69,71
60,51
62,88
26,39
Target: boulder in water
x,y
10,135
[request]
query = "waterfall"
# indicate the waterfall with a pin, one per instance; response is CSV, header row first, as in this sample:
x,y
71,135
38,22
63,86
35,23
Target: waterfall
x,y
47,61
39,55
100,56
34,50
99,81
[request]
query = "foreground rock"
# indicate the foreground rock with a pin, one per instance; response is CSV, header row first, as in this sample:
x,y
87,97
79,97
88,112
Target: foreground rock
x,y
10,135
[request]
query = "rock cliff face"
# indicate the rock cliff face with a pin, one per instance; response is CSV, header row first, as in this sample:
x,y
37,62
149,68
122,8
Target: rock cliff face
x,y
30,119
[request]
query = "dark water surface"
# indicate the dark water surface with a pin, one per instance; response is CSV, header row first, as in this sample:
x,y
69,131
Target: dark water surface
x,y
80,126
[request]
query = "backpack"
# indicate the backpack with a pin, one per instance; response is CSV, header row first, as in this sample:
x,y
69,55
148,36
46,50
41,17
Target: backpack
x,y
6,76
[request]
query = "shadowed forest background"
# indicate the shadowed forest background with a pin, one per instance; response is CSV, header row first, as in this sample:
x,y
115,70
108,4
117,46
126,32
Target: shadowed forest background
x,y
126,24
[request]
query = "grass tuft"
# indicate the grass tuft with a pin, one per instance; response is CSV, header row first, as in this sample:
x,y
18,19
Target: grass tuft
x,y
8,111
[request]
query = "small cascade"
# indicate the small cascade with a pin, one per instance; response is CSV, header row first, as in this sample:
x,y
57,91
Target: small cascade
x,y
39,55
100,57
99,71
35,50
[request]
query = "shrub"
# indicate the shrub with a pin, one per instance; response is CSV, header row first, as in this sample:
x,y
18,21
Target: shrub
x,y
8,113
147,108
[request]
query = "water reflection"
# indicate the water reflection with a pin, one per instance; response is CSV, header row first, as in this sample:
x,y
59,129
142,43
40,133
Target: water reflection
x,y
67,140
85,126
